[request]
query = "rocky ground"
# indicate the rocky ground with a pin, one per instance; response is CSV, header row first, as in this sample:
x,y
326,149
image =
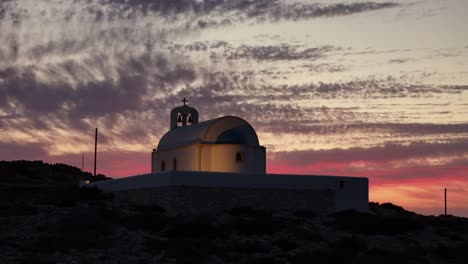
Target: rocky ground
x,y
46,218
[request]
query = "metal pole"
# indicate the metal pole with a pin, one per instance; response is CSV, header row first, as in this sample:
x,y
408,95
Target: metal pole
x,y
95,151
82,163
445,200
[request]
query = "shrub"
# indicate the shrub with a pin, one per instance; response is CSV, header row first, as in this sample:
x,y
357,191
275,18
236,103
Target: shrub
x,y
149,221
20,208
38,259
249,245
316,255
395,208
415,252
92,194
446,252
366,223
262,259
71,196
156,243
195,226
192,250
350,246
380,255
63,242
303,233
449,233
305,213
256,226
148,208
245,211
83,219
451,222
286,243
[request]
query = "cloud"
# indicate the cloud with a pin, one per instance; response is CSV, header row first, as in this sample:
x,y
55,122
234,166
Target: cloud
x,y
320,126
398,61
22,151
280,52
385,153
260,10
222,50
69,66
195,14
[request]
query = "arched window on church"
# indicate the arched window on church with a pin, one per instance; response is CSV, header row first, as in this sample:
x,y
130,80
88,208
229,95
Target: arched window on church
x,y
174,165
179,120
239,157
163,165
189,119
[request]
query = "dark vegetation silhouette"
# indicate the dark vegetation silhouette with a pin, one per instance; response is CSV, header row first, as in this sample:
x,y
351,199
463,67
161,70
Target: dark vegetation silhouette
x,y
24,171
46,218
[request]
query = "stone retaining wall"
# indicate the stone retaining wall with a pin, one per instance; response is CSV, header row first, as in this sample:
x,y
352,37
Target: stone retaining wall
x,y
193,199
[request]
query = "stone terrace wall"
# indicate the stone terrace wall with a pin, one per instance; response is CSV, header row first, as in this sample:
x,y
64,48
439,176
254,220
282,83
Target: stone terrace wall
x,y
192,199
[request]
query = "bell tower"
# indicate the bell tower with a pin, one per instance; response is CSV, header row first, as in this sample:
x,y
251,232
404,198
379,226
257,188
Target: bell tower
x,y
184,115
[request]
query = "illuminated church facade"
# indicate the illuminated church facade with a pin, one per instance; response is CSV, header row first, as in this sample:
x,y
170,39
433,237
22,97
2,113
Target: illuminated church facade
x,y
225,144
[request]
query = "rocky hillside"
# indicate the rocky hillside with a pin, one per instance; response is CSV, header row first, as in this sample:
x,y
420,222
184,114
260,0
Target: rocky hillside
x,y
65,224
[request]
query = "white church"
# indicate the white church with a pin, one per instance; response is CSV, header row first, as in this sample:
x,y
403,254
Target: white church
x,y
219,164
224,144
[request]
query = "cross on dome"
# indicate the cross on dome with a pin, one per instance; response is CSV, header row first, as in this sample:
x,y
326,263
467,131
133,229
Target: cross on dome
x,y
184,100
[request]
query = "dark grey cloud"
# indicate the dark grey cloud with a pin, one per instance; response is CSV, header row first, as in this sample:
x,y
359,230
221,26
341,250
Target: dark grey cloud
x,y
306,57
23,88
399,61
21,151
312,122
222,51
385,153
373,51
211,13
219,83
280,52
302,11
264,9
274,108
195,14
321,67
421,128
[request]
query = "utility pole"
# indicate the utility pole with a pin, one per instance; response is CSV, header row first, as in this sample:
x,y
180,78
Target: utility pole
x,y
82,163
95,151
445,200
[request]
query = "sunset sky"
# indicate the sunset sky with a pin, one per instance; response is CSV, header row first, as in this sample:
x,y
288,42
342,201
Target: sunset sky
x,y
376,89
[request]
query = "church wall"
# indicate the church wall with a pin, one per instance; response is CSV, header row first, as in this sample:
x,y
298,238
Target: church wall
x,y
352,193
186,157
223,158
348,192
214,157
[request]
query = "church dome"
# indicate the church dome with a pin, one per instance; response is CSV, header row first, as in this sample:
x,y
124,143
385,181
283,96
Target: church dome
x,y
223,130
